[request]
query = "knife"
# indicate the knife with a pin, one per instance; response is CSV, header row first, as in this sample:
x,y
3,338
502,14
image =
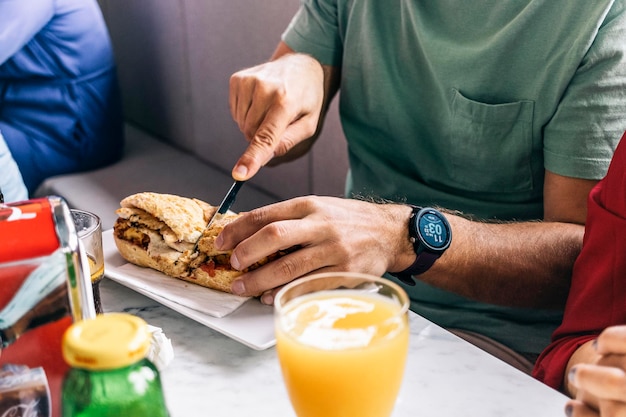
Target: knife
x,y
224,206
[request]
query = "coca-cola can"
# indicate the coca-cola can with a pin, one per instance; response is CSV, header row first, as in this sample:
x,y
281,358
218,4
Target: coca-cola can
x,y
45,285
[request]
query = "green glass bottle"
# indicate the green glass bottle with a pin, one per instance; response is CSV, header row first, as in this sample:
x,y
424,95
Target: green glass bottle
x,y
110,375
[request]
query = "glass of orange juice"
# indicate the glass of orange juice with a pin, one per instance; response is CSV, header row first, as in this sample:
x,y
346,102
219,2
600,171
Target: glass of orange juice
x,y
342,341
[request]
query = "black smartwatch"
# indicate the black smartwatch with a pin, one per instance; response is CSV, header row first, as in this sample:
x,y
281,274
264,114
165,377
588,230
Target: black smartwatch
x,y
430,234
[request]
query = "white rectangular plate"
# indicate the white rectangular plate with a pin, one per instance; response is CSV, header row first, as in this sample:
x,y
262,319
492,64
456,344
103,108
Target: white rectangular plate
x,y
251,324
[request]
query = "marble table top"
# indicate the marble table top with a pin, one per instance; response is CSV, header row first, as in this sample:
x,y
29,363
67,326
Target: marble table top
x,y
214,375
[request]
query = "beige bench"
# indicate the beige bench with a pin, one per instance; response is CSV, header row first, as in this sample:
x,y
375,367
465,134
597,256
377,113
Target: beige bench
x,y
174,60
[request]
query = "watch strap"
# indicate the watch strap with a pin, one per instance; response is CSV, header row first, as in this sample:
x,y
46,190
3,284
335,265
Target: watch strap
x,y
423,261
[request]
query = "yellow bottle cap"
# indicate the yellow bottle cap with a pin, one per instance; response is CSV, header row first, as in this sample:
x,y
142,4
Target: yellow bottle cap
x,y
109,341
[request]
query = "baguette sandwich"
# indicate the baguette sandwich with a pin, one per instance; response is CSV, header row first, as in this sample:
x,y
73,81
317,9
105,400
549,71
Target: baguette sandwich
x,y
159,231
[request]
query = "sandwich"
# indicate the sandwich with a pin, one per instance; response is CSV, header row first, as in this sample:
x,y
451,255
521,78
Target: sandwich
x,y
159,231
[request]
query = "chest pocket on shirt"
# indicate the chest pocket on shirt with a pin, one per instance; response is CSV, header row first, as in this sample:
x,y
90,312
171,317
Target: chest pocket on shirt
x,y
490,145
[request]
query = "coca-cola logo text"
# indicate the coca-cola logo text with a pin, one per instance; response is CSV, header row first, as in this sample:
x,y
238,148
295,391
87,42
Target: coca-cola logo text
x,y
30,409
14,213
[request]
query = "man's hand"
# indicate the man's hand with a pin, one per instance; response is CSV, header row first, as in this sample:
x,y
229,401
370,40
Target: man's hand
x,y
333,234
277,105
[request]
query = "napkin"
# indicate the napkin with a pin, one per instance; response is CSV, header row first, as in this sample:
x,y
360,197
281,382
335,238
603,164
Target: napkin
x,y
161,352
205,300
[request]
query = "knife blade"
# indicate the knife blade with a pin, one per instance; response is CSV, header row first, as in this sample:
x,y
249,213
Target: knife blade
x,y
224,206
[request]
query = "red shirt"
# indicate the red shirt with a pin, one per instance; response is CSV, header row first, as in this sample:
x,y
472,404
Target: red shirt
x,y
597,297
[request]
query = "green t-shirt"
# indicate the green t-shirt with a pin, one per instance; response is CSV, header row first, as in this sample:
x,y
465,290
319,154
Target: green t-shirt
x,y
464,104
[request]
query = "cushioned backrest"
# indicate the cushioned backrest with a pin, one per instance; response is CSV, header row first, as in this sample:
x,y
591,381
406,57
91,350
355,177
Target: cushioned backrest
x,y
149,39
175,58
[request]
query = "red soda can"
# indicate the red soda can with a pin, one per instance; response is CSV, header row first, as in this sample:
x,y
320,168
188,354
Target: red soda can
x,y
44,286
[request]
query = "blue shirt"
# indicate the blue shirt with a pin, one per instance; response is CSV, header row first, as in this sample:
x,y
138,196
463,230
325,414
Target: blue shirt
x,y
60,108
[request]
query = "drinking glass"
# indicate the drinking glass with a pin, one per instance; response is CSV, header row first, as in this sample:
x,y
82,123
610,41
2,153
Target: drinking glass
x,y
342,341
89,231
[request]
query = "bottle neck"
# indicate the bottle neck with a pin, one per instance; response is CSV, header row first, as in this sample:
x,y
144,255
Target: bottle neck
x,y
143,362
133,390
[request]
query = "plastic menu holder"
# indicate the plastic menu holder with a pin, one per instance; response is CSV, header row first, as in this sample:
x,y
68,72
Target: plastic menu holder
x,y
44,286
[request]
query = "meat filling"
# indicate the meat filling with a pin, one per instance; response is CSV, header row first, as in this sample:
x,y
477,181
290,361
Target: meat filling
x,y
130,233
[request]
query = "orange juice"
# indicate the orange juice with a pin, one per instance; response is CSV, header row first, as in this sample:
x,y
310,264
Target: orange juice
x,y
97,273
342,353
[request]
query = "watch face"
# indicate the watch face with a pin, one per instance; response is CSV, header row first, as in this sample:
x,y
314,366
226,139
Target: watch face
x,y
434,230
